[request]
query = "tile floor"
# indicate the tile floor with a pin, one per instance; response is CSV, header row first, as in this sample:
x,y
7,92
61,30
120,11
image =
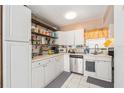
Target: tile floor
x,y
78,81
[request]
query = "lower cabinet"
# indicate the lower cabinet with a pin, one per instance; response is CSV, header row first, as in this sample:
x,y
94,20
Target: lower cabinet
x,y
66,63
49,71
38,77
46,71
59,67
103,70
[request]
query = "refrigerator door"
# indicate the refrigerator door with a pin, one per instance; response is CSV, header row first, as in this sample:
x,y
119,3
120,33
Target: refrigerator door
x,y
16,23
17,65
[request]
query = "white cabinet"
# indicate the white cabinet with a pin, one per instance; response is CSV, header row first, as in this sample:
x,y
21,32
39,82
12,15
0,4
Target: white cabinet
x,y
69,36
16,47
75,37
45,71
17,20
49,71
79,37
66,63
61,38
65,38
38,77
103,67
59,66
103,70
17,72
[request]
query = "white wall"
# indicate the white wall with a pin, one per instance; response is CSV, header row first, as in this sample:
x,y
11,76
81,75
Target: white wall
x,y
119,46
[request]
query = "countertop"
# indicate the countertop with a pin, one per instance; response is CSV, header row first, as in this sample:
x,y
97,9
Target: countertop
x,y
103,57
42,57
85,56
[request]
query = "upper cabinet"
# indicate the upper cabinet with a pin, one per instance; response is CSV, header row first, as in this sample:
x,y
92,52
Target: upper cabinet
x,y
69,37
79,37
61,38
17,22
75,37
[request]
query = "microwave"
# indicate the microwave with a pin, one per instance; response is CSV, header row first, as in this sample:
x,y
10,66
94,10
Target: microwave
x,y
62,50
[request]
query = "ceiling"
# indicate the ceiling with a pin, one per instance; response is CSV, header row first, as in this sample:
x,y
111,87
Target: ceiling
x,y
54,14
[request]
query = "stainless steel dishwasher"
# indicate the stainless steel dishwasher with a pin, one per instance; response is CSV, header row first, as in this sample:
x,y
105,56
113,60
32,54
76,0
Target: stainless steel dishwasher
x,y
77,64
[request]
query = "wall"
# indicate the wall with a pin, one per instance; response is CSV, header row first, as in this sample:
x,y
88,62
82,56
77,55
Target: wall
x,y
89,24
0,45
103,21
109,16
119,46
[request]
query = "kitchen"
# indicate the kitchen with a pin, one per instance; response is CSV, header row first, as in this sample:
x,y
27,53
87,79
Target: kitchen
x,y
71,49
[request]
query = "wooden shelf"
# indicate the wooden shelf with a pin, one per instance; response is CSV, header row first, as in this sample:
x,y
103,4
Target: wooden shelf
x,y
36,21
41,44
43,35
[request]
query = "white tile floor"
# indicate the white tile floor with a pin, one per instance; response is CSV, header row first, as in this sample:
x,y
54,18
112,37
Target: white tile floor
x,y
78,81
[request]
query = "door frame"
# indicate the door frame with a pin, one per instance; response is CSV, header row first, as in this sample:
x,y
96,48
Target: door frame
x,y
1,64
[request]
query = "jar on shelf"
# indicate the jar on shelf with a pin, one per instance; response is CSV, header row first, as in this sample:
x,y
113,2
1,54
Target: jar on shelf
x,y
41,30
44,31
36,29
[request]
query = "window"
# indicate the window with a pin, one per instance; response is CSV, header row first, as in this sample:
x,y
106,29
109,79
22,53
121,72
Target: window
x,y
96,36
91,42
96,33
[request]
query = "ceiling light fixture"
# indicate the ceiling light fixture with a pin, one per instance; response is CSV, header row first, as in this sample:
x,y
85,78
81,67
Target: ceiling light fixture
x,y
70,15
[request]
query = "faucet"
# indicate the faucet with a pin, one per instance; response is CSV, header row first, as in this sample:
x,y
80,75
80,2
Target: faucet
x,y
96,49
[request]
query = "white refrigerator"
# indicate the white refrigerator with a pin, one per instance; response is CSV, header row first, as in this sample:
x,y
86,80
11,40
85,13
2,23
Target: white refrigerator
x,y
16,46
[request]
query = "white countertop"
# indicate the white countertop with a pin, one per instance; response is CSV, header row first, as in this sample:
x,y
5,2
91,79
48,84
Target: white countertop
x,y
42,57
85,56
103,57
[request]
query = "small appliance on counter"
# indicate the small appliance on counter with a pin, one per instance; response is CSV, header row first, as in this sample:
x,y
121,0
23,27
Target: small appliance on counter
x,y
62,49
55,48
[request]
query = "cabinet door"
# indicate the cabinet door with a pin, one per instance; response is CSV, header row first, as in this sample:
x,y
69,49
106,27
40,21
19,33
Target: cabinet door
x,y
38,77
59,65
17,61
17,23
69,36
104,70
79,37
61,38
49,71
66,63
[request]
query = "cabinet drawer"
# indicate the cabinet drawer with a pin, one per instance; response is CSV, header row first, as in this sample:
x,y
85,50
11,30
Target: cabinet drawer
x,y
89,57
39,63
103,59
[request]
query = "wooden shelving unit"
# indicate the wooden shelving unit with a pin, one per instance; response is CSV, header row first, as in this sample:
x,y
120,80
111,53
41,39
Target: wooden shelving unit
x,y
43,35
38,22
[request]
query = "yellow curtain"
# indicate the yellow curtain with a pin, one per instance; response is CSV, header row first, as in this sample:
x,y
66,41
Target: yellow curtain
x,y
96,33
